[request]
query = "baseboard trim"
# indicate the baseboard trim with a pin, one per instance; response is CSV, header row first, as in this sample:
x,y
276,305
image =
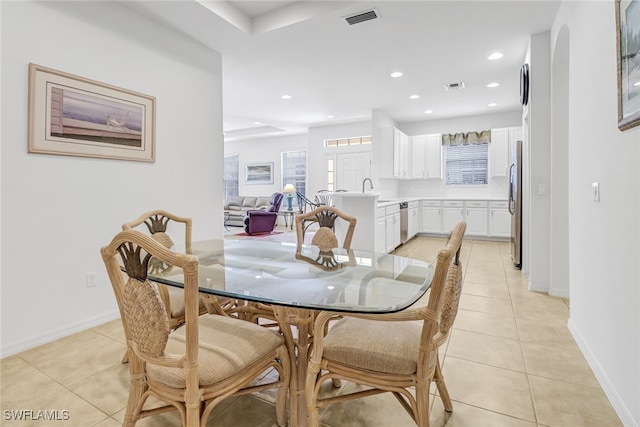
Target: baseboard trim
x,y
616,401
55,334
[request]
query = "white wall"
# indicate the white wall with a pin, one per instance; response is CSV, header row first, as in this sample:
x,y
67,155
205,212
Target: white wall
x,y
537,165
604,237
58,211
264,150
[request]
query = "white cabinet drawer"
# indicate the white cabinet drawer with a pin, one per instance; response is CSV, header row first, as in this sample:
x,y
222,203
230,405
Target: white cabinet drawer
x,y
502,204
392,209
429,203
453,203
380,212
476,203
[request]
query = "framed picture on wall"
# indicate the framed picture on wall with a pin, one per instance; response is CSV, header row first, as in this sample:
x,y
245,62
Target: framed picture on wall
x,y
74,116
628,49
258,173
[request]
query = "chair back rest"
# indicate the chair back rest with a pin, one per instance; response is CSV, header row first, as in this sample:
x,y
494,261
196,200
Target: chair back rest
x,y
156,222
326,217
275,202
446,256
143,313
304,203
323,198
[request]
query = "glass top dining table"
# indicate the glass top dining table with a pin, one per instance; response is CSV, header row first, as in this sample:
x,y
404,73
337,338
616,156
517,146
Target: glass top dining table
x,y
296,282
342,280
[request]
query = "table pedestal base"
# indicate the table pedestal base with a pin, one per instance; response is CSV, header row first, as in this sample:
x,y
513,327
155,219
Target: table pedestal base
x,y
302,320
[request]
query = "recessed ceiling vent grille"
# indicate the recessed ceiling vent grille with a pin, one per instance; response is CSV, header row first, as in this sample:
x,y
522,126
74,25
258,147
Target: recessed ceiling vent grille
x,y
454,86
362,17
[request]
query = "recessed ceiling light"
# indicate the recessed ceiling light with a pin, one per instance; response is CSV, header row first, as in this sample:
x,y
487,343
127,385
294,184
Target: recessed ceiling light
x,y
414,96
331,116
396,74
428,112
257,123
492,104
494,56
494,84
286,97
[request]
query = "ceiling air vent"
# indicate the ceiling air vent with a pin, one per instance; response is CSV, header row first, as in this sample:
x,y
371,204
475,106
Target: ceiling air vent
x,y
454,86
362,17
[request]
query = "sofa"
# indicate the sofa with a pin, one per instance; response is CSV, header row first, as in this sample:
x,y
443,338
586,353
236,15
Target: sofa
x,y
237,206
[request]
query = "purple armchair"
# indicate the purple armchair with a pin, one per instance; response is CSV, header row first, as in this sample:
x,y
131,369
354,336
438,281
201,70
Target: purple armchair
x,y
263,221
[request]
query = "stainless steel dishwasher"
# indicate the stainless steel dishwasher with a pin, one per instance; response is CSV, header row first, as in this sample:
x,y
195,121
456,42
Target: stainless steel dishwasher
x,y
404,221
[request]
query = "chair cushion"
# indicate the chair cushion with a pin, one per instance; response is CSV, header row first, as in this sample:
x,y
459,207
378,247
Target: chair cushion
x,y
388,347
176,300
227,346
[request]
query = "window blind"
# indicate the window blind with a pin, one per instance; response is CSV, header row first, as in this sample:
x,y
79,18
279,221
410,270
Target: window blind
x,y
230,180
466,164
294,170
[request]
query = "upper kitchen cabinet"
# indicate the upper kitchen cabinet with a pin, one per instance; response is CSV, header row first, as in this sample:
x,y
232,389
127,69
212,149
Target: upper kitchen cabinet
x,y
426,158
501,141
398,162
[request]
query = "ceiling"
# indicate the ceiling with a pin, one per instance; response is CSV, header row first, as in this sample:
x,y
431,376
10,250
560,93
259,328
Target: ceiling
x,y
305,49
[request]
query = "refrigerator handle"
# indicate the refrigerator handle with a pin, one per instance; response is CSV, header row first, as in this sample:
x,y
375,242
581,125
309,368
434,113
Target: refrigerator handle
x,y
512,208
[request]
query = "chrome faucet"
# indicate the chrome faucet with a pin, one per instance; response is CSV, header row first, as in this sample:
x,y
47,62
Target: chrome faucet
x,y
365,180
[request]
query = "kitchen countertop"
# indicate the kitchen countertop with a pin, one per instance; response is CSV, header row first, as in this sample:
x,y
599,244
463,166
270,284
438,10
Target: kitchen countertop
x,y
396,200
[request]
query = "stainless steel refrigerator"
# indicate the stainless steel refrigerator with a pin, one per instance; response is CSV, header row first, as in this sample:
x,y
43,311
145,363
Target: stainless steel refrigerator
x,y
515,203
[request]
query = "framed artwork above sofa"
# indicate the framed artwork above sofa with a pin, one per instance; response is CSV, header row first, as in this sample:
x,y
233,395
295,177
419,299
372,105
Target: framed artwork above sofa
x,y
258,173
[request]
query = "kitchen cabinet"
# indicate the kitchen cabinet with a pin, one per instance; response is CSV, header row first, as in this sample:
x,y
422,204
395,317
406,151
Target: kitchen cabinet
x,y
501,141
499,219
413,224
431,216
476,218
396,153
401,154
426,156
381,230
499,151
452,213
393,227
387,228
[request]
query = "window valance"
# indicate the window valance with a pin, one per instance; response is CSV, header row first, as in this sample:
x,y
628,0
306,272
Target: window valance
x,y
469,138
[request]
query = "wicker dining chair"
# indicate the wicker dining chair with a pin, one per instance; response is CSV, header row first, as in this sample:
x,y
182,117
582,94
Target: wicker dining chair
x,y
157,221
195,367
324,238
325,216
394,353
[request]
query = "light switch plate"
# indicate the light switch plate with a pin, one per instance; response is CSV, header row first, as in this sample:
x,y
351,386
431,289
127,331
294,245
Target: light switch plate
x,y
595,191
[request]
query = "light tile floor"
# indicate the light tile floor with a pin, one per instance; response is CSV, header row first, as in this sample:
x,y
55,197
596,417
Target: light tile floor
x,y
510,361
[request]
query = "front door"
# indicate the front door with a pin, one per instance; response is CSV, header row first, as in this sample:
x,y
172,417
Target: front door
x,y
351,169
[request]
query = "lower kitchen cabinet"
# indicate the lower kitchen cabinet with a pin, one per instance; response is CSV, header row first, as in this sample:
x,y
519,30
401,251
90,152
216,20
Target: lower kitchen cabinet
x,y
431,216
387,228
499,219
476,217
453,213
413,226
381,230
